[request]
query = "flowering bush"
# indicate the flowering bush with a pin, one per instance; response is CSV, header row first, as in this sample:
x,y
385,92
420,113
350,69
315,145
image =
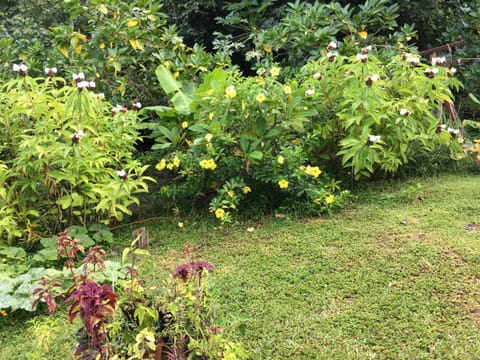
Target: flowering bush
x,y
65,158
233,136
357,112
378,116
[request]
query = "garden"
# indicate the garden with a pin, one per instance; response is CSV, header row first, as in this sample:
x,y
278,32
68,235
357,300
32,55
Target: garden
x,y
251,180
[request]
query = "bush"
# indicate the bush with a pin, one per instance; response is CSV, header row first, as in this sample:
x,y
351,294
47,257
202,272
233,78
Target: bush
x,y
67,156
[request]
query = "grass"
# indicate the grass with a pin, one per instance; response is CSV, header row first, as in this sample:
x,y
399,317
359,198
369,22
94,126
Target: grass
x,y
395,275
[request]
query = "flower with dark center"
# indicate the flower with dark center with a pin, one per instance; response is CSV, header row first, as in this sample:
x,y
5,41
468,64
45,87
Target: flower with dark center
x,y
122,174
440,127
21,69
430,72
362,57
372,139
77,135
332,45
331,55
136,106
50,71
78,77
369,80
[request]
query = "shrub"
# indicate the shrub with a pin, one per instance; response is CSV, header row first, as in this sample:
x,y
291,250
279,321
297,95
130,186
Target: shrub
x,y
67,157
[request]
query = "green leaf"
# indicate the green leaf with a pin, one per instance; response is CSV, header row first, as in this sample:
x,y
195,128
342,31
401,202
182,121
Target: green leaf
x,y
255,155
166,80
182,102
14,252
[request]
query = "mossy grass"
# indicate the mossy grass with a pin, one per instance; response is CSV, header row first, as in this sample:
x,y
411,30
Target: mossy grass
x,y
394,275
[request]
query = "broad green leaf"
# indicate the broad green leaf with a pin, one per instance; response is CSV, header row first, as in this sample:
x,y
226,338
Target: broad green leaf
x,y
182,102
166,80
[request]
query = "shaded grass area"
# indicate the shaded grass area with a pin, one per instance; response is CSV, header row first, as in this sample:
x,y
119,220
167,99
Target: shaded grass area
x,y
395,275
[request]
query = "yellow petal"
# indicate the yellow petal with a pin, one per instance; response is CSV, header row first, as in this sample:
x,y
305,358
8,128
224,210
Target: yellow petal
x,y
133,43
132,23
363,34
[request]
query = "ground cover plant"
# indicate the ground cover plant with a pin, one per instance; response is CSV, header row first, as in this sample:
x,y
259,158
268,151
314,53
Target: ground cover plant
x,y
396,276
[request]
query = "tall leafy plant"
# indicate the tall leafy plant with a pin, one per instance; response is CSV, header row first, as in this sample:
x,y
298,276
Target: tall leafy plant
x,y
67,156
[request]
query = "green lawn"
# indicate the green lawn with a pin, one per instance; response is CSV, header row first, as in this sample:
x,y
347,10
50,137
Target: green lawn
x,y
395,275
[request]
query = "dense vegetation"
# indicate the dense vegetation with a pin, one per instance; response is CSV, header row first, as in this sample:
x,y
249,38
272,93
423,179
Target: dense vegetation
x,y
108,115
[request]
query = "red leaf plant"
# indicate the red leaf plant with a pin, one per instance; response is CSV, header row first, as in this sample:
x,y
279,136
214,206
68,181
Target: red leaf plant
x,y
96,304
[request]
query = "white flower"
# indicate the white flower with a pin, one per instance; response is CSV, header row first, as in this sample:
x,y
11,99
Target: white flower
x,y
412,59
367,49
78,77
50,71
371,79
76,136
122,174
119,108
373,138
438,60
91,84
332,54
362,57
20,68
136,106
100,96
405,112
317,76
331,45
453,131
309,92
453,70
82,85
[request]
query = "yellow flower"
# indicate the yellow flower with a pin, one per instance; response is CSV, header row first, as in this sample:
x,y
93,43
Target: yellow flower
x,y
251,229
208,137
210,92
219,213
260,80
211,115
208,164
3,312
230,92
267,48
246,189
261,97
363,34
280,159
312,171
161,165
180,224
170,166
230,193
275,71
176,162
283,184
184,125
330,199
287,90
176,74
